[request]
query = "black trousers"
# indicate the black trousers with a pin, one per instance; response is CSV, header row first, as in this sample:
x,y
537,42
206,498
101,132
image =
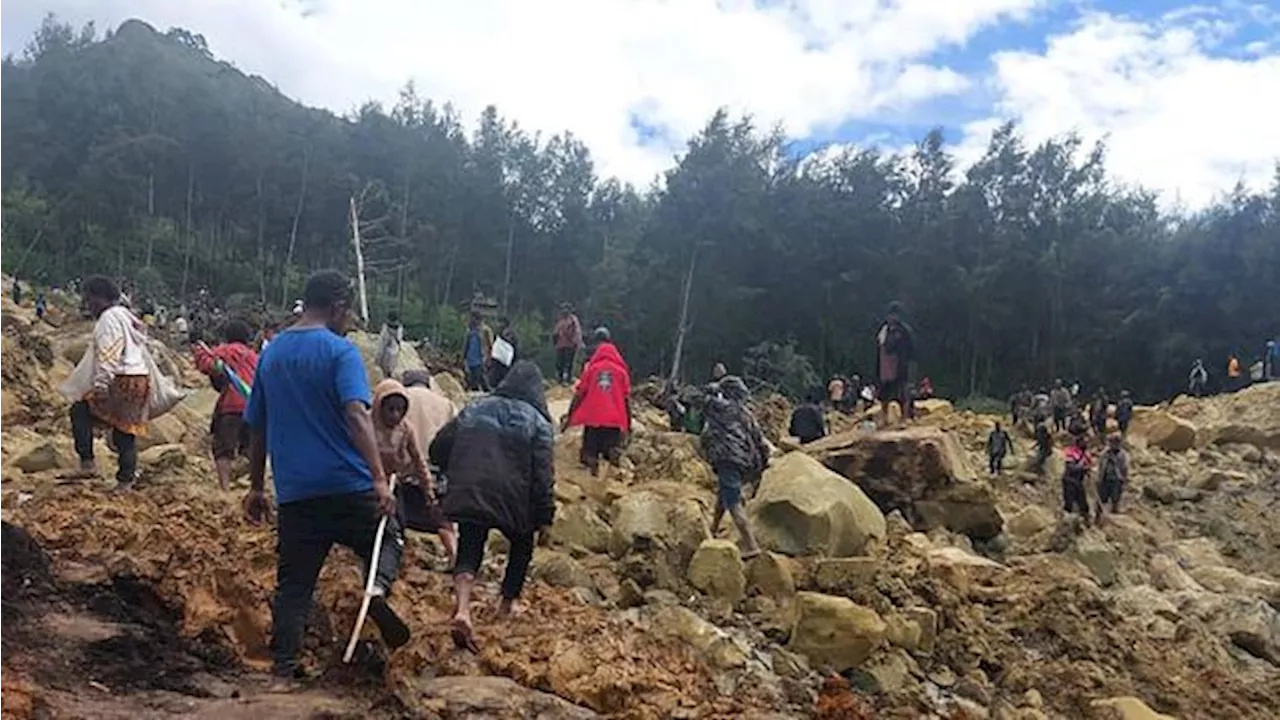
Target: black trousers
x,y
471,541
497,373
1074,498
564,363
1109,492
477,380
1059,419
307,530
996,463
82,433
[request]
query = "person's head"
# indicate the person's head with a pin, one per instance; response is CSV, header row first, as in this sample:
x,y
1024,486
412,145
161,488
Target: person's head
x,y
326,298
100,293
733,389
393,318
601,335
416,378
894,313
390,403
1057,383
997,426
1124,394
1081,441
565,309
718,371
237,331
1113,441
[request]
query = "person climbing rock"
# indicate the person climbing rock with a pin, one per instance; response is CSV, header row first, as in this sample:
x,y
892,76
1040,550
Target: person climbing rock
x,y
895,347
1074,477
1113,475
477,345
230,434
1098,411
1060,405
389,341
309,412
499,456
734,446
998,445
602,403
807,422
1124,412
567,338
116,387
398,426
1044,447
1198,380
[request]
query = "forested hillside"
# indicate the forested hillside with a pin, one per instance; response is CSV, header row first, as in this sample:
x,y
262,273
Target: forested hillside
x,y
138,153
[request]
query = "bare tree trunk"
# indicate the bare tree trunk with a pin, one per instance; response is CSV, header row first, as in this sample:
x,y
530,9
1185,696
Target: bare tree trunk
x,y
293,230
186,231
511,242
262,253
355,241
684,312
448,287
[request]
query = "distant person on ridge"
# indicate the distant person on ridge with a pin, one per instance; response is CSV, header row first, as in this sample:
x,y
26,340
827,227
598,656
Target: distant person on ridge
x,y
1124,412
477,345
602,403
389,341
309,412
42,306
1234,378
230,434
895,348
807,422
718,372
734,446
1044,447
1060,404
1098,411
998,445
497,369
1198,380
499,456
1074,476
926,388
567,338
1113,475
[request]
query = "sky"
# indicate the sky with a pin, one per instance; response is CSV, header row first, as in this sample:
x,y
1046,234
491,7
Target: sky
x,y
1186,96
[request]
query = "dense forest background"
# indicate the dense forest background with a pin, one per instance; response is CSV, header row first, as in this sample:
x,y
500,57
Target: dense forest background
x,y
139,154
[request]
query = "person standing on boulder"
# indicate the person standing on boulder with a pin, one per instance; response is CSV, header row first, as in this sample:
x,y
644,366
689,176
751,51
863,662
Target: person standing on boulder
x,y
117,390
734,446
399,425
998,445
230,434
389,341
567,338
499,454
1078,464
477,345
1113,475
309,412
1198,380
895,347
602,403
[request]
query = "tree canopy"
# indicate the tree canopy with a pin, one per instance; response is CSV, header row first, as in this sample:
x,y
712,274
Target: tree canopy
x,y
139,153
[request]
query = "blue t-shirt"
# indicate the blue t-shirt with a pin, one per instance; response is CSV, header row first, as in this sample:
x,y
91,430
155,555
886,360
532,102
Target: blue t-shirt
x,y
473,353
304,381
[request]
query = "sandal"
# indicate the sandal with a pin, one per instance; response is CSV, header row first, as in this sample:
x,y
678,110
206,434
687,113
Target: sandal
x,y
463,639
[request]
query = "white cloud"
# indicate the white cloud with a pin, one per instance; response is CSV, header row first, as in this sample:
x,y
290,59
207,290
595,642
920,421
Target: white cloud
x,y
582,65
1176,117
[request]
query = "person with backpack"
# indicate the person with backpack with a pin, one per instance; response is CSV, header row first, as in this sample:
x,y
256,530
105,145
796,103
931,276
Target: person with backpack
x,y
227,428
734,446
1113,475
1074,476
998,445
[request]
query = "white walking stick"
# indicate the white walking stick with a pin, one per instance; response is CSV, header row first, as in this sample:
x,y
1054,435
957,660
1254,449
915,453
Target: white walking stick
x,y
368,584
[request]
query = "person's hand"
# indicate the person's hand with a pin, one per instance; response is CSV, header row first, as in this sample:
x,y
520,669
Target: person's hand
x,y
257,507
386,499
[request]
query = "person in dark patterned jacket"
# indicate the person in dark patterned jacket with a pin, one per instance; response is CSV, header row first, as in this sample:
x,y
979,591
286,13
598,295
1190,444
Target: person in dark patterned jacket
x,y
735,447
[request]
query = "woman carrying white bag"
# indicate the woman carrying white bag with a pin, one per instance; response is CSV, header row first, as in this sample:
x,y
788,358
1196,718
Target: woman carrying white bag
x,y
116,384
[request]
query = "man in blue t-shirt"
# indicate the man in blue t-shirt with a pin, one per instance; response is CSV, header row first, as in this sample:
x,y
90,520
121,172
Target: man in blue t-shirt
x,y
476,346
309,411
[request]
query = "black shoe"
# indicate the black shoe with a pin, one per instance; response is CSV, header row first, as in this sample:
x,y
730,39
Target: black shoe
x,y
394,632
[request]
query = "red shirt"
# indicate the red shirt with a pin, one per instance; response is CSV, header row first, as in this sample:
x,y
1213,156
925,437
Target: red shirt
x,y
603,391
240,358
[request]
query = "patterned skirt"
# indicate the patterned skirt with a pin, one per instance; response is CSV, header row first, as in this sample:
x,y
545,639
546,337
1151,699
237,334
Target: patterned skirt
x,y
125,404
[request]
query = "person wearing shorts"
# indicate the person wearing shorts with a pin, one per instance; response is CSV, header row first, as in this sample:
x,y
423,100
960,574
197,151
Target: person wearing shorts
x,y
229,432
735,448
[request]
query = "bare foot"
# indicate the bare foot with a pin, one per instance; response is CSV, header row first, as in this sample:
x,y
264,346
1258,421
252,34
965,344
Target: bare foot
x,y
510,609
463,635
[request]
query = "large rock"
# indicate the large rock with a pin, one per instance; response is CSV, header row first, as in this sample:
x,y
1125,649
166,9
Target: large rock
x,y
933,407
720,649
922,472
1163,430
485,698
165,430
577,525
717,570
835,631
407,359
39,458
1029,522
845,575
1096,554
1124,708
771,576
449,386
558,569
802,508
1249,623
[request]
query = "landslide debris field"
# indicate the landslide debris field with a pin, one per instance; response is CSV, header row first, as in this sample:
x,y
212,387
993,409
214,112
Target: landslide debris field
x,y
902,582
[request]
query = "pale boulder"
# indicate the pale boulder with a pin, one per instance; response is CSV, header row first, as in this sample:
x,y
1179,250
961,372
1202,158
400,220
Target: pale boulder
x,y
717,570
716,645
164,430
39,458
577,525
834,631
802,508
771,576
1163,430
1125,708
